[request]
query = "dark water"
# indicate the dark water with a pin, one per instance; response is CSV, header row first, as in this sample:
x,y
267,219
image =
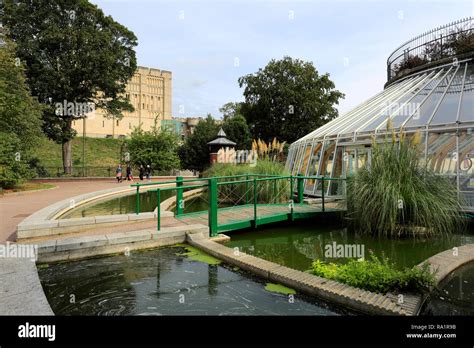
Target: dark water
x,y
159,282
455,296
298,244
119,205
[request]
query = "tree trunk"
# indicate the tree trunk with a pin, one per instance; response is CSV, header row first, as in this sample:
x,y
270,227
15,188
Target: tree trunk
x,y
67,156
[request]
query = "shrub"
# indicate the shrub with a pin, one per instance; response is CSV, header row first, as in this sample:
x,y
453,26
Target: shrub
x,y
397,195
378,275
156,147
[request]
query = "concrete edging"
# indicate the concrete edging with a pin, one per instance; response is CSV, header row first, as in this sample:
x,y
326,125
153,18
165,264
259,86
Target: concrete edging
x,y
332,291
445,262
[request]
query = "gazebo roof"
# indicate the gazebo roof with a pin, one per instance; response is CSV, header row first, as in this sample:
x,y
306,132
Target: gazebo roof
x,y
221,140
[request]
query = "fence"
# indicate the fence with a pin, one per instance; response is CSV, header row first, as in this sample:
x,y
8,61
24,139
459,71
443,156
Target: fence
x,y
433,45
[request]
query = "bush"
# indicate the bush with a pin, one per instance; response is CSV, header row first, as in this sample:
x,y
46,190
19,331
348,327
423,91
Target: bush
x,y
397,195
378,275
13,166
156,147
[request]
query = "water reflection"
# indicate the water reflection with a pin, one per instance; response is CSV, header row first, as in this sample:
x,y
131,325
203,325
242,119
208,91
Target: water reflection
x,y
455,296
160,282
297,245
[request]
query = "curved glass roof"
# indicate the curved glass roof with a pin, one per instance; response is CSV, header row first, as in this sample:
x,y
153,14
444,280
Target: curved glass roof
x,y
434,98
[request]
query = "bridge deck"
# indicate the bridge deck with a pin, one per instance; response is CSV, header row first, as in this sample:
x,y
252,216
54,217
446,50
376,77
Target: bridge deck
x,y
242,216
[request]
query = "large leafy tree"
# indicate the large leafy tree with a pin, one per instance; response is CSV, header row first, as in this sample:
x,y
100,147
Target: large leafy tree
x,y
237,130
73,54
20,117
287,99
194,153
158,148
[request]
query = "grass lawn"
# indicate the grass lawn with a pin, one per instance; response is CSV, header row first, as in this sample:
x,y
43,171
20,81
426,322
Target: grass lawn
x,y
28,186
99,152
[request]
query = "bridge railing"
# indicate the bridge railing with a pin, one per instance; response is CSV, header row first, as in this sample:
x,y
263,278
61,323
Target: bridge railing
x,y
260,198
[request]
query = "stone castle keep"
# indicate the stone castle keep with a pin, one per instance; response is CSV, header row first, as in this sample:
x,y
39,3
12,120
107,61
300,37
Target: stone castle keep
x,y
150,93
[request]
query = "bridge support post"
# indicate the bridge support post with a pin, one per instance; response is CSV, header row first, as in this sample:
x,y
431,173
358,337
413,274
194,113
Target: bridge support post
x,y
300,188
212,186
158,209
137,200
255,202
179,196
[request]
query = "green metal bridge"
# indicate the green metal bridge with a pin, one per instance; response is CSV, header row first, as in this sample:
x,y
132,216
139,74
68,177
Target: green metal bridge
x,y
248,200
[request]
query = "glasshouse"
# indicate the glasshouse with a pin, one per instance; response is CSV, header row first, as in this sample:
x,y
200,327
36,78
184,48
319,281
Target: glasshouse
x,y
429,93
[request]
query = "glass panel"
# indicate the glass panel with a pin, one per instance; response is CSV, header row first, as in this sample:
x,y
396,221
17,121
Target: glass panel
x,y
466,166
327,163
448,109
349,161
388,106
419,97
306,157
336,186
378,107
299,151
425,111
313,166
362,157
467,104
442,153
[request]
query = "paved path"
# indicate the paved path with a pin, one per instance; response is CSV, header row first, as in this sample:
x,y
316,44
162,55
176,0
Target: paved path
x,y
14,208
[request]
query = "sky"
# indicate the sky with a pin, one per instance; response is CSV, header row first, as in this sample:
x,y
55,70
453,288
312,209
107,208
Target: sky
x,y
209,44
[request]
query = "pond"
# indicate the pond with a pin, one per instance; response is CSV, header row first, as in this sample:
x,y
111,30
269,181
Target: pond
x,y
455,295
118,205
126,205
165,282
297,244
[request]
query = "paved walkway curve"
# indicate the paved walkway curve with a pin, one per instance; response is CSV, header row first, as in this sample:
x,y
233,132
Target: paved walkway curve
x,y
13,209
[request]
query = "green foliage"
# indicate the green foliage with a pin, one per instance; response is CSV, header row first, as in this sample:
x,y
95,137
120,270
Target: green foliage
x,y
194,153
237,130
268,191
397,195
14,169
73,53
230,110
374,274
20,119
287,99
156,147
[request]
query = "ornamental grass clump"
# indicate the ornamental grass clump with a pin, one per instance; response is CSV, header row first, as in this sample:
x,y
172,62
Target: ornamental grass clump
x,y
397,195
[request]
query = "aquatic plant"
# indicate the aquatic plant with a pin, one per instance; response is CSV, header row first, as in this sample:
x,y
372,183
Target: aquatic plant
x,y
378,275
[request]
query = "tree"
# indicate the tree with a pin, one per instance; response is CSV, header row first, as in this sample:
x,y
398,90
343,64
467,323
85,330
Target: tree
x,y
75,55
237,130
194,153
230,109
288,99
20,118
159,148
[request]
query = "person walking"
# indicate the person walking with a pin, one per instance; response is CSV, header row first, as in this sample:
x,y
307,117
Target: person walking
x,y
141,172
148,172
129,172
118,173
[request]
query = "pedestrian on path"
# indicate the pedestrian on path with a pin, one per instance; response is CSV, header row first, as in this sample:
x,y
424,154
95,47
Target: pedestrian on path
x,y
118,173
129,173
141,172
